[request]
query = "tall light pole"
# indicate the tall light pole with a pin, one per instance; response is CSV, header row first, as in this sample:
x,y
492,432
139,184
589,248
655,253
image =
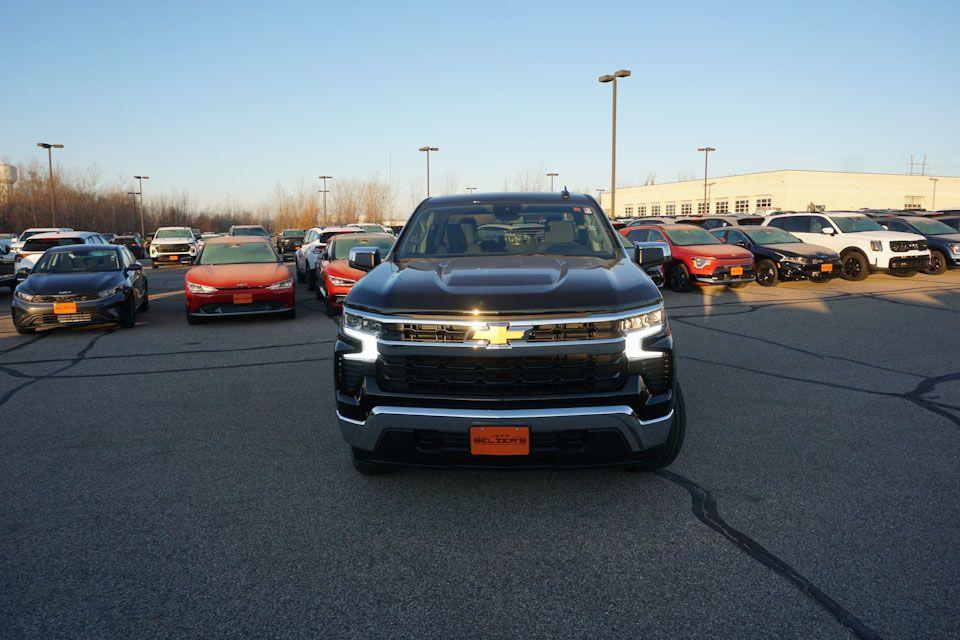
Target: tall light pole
x,y
552,175
706,156
471,189
325,191
50,147
933,203
428,149
600,193
622,73
143,238
140,179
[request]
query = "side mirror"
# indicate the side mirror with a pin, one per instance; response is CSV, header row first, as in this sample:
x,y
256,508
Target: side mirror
x,y
648,257
886,228
827,231
364,258
136,266
4,249
741,243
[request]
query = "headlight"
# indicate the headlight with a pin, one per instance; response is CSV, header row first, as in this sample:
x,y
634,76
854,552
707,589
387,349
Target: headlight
x,y
876,245
341,282
283,284
29,297
193,249
955,249
700,263
200,288
106,293
637,328
365,331
318,248
153,250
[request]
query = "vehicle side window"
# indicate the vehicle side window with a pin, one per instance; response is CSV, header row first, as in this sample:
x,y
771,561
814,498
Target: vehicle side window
x,y
735,237
128,257
817,223
896,225
655,236
721,235
638,235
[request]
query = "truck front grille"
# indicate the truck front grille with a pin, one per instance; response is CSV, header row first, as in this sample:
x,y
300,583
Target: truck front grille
x,y
173,248
657,373
498,376
901,246
425,332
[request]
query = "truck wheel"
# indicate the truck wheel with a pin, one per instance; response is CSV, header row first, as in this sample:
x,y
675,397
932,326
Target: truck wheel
x,y
678,278
904,273
854,266
662,456
938,263
365,468
767,275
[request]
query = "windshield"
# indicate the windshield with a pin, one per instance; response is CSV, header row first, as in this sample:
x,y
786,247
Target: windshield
x,y
248,231
292,233
326,235
340,248
507,229
373,228
42,244
173,233
27,234
237,253
770,235
932,227
126,239
690,237
855,224
78,261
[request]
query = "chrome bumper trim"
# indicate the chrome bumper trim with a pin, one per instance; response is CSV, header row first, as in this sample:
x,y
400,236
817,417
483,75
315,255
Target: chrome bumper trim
x,y
506,414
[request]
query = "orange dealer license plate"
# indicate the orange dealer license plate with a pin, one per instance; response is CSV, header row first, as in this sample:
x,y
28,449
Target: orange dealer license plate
x,y
174,258
500,441
736,271
64,307
242,298
827,268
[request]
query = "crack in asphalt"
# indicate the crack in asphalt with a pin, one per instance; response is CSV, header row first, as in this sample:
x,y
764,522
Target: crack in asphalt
x,y
55,375
915,396
704,508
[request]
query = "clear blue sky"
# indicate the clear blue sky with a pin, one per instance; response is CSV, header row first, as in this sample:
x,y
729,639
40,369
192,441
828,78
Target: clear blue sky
x,y
224,99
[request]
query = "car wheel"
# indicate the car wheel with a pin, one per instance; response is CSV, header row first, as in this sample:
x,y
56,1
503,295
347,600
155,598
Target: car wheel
x,y
661,456
128,316
854,266
23,330
678,278
903,273
145,303
301,278
365,468
767,275
194,320
320,290
938,263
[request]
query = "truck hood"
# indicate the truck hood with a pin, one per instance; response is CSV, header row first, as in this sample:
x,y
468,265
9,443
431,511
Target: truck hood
x,y
504,285
172,241
884,235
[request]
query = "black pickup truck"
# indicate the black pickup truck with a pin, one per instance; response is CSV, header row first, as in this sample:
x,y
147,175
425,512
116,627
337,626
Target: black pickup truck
x,y
288,241
507,330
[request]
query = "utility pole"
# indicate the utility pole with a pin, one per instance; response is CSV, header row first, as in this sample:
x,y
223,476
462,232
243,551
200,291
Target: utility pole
x,y
143,238
50,147
600,193
428,149
471,189
622,73
552,175
706,156
140,179
325,191
923,165
933,203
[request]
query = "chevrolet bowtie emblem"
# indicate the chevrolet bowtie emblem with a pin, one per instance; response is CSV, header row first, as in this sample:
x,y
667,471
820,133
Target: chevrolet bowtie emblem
x,y
498,334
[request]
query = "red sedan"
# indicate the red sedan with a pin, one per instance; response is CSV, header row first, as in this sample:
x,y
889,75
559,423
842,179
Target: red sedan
x,y
697,257
238,276
335,276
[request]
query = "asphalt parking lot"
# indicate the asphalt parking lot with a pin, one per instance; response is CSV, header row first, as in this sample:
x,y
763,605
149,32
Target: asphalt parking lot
x,y
177,481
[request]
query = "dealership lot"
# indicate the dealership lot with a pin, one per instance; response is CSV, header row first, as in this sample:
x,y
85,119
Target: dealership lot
x,y
171,481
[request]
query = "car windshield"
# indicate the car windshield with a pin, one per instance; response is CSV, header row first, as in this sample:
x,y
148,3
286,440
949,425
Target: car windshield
x,y
27,234
855,224
690,237
932,227
770,235
78,260
372,228
173,233
340,248
237,253
42,244
292,233
326,235
514,228
248,231
126,239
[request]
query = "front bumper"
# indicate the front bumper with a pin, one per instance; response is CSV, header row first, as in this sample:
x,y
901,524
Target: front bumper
x,y
172,258
797,271
721,273
220,304
897,261
41,314
337,294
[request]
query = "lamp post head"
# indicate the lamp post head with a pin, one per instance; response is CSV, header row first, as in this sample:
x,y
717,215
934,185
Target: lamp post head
x,y
622,73
141,177
605,79
429,149
47,145
708,149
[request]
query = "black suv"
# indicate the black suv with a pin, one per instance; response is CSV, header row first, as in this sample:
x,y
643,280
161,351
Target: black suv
x,y
507,330
288,241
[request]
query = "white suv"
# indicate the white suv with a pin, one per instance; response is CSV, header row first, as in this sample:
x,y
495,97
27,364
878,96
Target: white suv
x,y
863,245
173,245
36,244
314,242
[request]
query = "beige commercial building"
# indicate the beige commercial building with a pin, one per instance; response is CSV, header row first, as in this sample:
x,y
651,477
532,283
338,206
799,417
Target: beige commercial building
x,y
789,190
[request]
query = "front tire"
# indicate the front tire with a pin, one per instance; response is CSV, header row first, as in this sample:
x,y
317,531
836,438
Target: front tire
x,y
678,278
767,275
903,273
854,267
311,279
128,316
663,455
193,320
938,263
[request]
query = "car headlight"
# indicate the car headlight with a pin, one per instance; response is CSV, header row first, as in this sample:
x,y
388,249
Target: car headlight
x,y
153,250
106,293
341,282
365,331
200,288
955,249
193,249
279,286
637,328
29,297
318,248
700,263
876,245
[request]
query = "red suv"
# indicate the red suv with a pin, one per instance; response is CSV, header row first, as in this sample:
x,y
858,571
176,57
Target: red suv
x,y
335,276
698,258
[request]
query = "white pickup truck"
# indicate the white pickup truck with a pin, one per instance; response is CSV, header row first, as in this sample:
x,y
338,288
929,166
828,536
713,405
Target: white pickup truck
x,y
863,245
173,245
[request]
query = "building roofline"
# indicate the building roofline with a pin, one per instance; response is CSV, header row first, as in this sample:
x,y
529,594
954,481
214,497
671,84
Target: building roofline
x,y
758,173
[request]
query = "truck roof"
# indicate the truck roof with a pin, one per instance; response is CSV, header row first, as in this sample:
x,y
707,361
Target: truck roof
x,y
520,196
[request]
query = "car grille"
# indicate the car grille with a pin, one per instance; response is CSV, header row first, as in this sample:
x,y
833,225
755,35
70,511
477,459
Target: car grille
x,y
172,248
560,441
67,298
423,332
223,308
657,373
502,376
723,272
67,318
901,246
